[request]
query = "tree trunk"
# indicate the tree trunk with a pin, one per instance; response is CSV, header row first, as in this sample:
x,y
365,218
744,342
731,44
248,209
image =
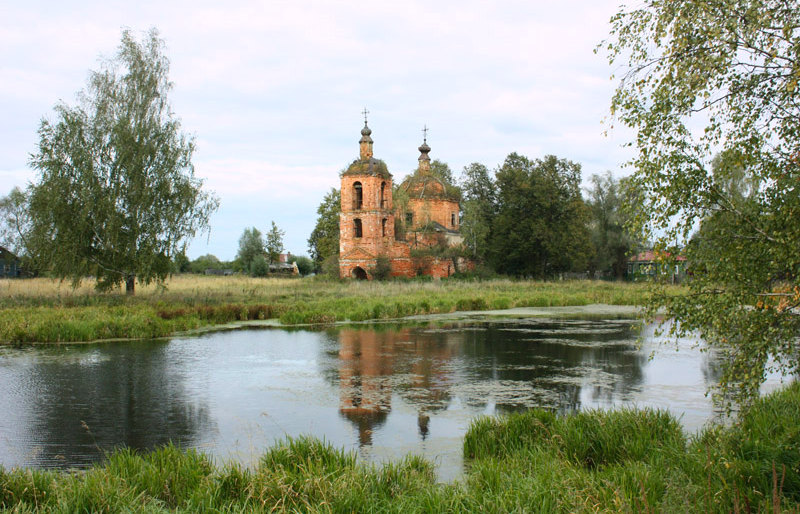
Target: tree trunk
x,y
130,282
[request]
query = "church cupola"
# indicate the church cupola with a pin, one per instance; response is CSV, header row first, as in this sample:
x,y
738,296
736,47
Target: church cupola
x,y
424,160
365,143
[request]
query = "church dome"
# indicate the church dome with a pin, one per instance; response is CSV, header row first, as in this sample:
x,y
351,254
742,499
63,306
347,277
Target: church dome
x,y
424,186
366,164
372,167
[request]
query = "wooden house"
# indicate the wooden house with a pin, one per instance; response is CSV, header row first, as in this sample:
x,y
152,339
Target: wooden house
x,y
650,264
9,264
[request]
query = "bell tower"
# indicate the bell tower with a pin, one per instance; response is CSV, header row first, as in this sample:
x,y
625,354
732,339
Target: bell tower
x,y
366,223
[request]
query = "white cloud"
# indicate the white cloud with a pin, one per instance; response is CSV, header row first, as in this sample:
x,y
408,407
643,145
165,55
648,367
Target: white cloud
x,y
273,89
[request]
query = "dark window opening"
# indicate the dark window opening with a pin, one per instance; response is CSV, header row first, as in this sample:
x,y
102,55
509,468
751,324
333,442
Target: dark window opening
x,y
409,218
383,195
358,196
452,219
383,227
357,227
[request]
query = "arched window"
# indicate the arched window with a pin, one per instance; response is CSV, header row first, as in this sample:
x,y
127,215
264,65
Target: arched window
x,y
383,195
357,227
358,196
453,219
383,227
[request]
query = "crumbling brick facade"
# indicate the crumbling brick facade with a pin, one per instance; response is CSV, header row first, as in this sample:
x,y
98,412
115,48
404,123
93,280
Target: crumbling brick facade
x,y
367,219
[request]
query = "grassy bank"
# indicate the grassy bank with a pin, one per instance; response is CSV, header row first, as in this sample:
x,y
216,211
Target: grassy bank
x,y
41,310
621,461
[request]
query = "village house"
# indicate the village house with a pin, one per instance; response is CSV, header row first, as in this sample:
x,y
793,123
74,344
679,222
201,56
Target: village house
x,y
369,228
9,264
650,264
284,266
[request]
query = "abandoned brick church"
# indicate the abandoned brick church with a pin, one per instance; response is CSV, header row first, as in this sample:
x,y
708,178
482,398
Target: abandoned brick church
x,y
369,227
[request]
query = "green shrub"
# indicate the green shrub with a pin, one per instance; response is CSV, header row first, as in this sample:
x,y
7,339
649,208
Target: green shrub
x,y
259,267
382,269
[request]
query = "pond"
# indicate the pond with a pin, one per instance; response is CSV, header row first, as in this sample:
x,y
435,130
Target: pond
x,y
383,390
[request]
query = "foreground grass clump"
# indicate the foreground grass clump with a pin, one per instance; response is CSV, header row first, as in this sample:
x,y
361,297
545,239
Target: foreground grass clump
x,y
617,461
42,310
639,461
296,475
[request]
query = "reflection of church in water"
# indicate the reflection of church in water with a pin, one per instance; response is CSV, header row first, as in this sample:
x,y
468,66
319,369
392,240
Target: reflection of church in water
x,y
480,368
374,365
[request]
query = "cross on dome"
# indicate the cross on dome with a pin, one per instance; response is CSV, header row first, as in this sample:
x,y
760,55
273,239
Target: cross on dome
x,y
424,160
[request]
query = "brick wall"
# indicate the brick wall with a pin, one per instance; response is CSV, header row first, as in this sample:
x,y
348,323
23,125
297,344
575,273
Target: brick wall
x,y
444,212
375,216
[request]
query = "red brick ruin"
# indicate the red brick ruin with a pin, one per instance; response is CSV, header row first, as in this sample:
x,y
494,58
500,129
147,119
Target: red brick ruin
x,y
414,240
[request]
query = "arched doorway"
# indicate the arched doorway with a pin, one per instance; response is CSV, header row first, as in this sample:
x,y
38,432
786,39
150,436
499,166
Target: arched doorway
x,y
359,273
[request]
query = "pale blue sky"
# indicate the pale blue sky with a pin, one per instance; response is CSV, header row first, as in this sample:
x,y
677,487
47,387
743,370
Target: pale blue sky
x,y
273,90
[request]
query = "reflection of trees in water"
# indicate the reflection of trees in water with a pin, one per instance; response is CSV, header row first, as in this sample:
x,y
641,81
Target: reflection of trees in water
x,y
89,400
560,362
711,367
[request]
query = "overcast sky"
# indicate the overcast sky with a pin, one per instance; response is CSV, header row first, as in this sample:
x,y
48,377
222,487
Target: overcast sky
x,y
273,90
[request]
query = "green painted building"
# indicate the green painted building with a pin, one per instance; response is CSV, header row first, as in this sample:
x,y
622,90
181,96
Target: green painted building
x,y
9,264
651,264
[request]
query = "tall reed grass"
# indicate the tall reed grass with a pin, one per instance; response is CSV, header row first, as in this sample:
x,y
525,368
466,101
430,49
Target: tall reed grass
x,y
42,310
595,461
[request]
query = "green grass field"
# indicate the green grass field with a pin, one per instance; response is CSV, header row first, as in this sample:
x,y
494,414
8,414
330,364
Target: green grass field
x,y
42,310
615,461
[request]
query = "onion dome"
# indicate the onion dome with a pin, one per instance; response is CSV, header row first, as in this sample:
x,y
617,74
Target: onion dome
x,y
365,143
424,160
366,164
422,184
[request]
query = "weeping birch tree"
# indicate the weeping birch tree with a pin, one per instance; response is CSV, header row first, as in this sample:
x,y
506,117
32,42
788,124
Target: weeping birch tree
x,y
116,195
702,78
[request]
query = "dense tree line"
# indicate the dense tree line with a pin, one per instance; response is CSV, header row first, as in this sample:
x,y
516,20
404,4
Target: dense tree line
x,y
526,218
540,229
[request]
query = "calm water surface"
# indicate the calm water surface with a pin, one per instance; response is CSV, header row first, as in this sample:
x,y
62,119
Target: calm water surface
x,y
384,391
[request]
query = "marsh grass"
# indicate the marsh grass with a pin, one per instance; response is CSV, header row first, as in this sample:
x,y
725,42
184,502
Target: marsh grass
x,y
640,460
536,461
43,310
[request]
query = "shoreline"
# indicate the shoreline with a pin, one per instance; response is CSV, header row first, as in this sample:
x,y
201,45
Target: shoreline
x,y
591,311
39,311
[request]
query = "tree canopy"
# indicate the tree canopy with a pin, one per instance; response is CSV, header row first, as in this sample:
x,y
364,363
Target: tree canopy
x,y
703,78
274,243
541,224
304,264
442,171
251,245
324,239
205,262
613,243
116,195
14,221
478,206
